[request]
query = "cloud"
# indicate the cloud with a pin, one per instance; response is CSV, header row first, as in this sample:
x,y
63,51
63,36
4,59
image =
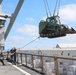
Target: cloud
x,y
44,18
30,19
17,38
29,30
70,38
14,41
68,12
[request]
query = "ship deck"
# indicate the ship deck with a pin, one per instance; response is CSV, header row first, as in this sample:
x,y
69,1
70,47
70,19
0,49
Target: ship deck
x,y
9,69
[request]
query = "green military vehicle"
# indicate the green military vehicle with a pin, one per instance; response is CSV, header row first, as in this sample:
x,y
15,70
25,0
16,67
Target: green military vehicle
x,y
52,28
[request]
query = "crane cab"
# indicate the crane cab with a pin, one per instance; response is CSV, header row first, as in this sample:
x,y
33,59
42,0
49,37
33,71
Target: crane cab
x,y
2,22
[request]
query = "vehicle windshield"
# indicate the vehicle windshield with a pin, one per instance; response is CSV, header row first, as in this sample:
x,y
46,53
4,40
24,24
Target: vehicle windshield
x,y
53,20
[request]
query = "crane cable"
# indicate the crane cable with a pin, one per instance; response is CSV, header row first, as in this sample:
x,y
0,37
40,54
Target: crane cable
x,y
57,3
58,8
46,7
29,43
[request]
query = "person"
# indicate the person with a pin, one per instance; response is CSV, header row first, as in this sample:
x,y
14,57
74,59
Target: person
x,y
9,58
1,58
13,51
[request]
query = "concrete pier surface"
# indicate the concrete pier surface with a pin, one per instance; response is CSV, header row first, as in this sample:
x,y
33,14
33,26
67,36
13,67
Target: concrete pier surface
x,y
9,69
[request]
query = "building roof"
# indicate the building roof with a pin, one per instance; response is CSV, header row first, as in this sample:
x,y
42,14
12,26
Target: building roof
x,y
66,45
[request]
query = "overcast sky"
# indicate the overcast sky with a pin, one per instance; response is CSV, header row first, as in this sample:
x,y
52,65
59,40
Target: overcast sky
x,y
25,28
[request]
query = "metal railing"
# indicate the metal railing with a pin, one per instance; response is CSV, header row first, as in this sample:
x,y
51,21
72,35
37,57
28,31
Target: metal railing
x,y
42,62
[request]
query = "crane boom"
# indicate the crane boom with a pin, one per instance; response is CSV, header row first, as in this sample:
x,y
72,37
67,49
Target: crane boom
x,y
12,19
1,1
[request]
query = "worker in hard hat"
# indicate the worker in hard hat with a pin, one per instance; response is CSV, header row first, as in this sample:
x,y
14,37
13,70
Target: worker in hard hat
x,y
13,51
9,58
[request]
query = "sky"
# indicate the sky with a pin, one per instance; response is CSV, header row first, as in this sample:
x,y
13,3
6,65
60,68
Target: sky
x,y
26,26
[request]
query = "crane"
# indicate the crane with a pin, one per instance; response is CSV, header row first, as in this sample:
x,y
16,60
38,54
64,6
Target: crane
x,y
3,18
52,27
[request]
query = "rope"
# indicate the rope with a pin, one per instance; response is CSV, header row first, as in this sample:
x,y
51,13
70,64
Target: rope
x,y
29,43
